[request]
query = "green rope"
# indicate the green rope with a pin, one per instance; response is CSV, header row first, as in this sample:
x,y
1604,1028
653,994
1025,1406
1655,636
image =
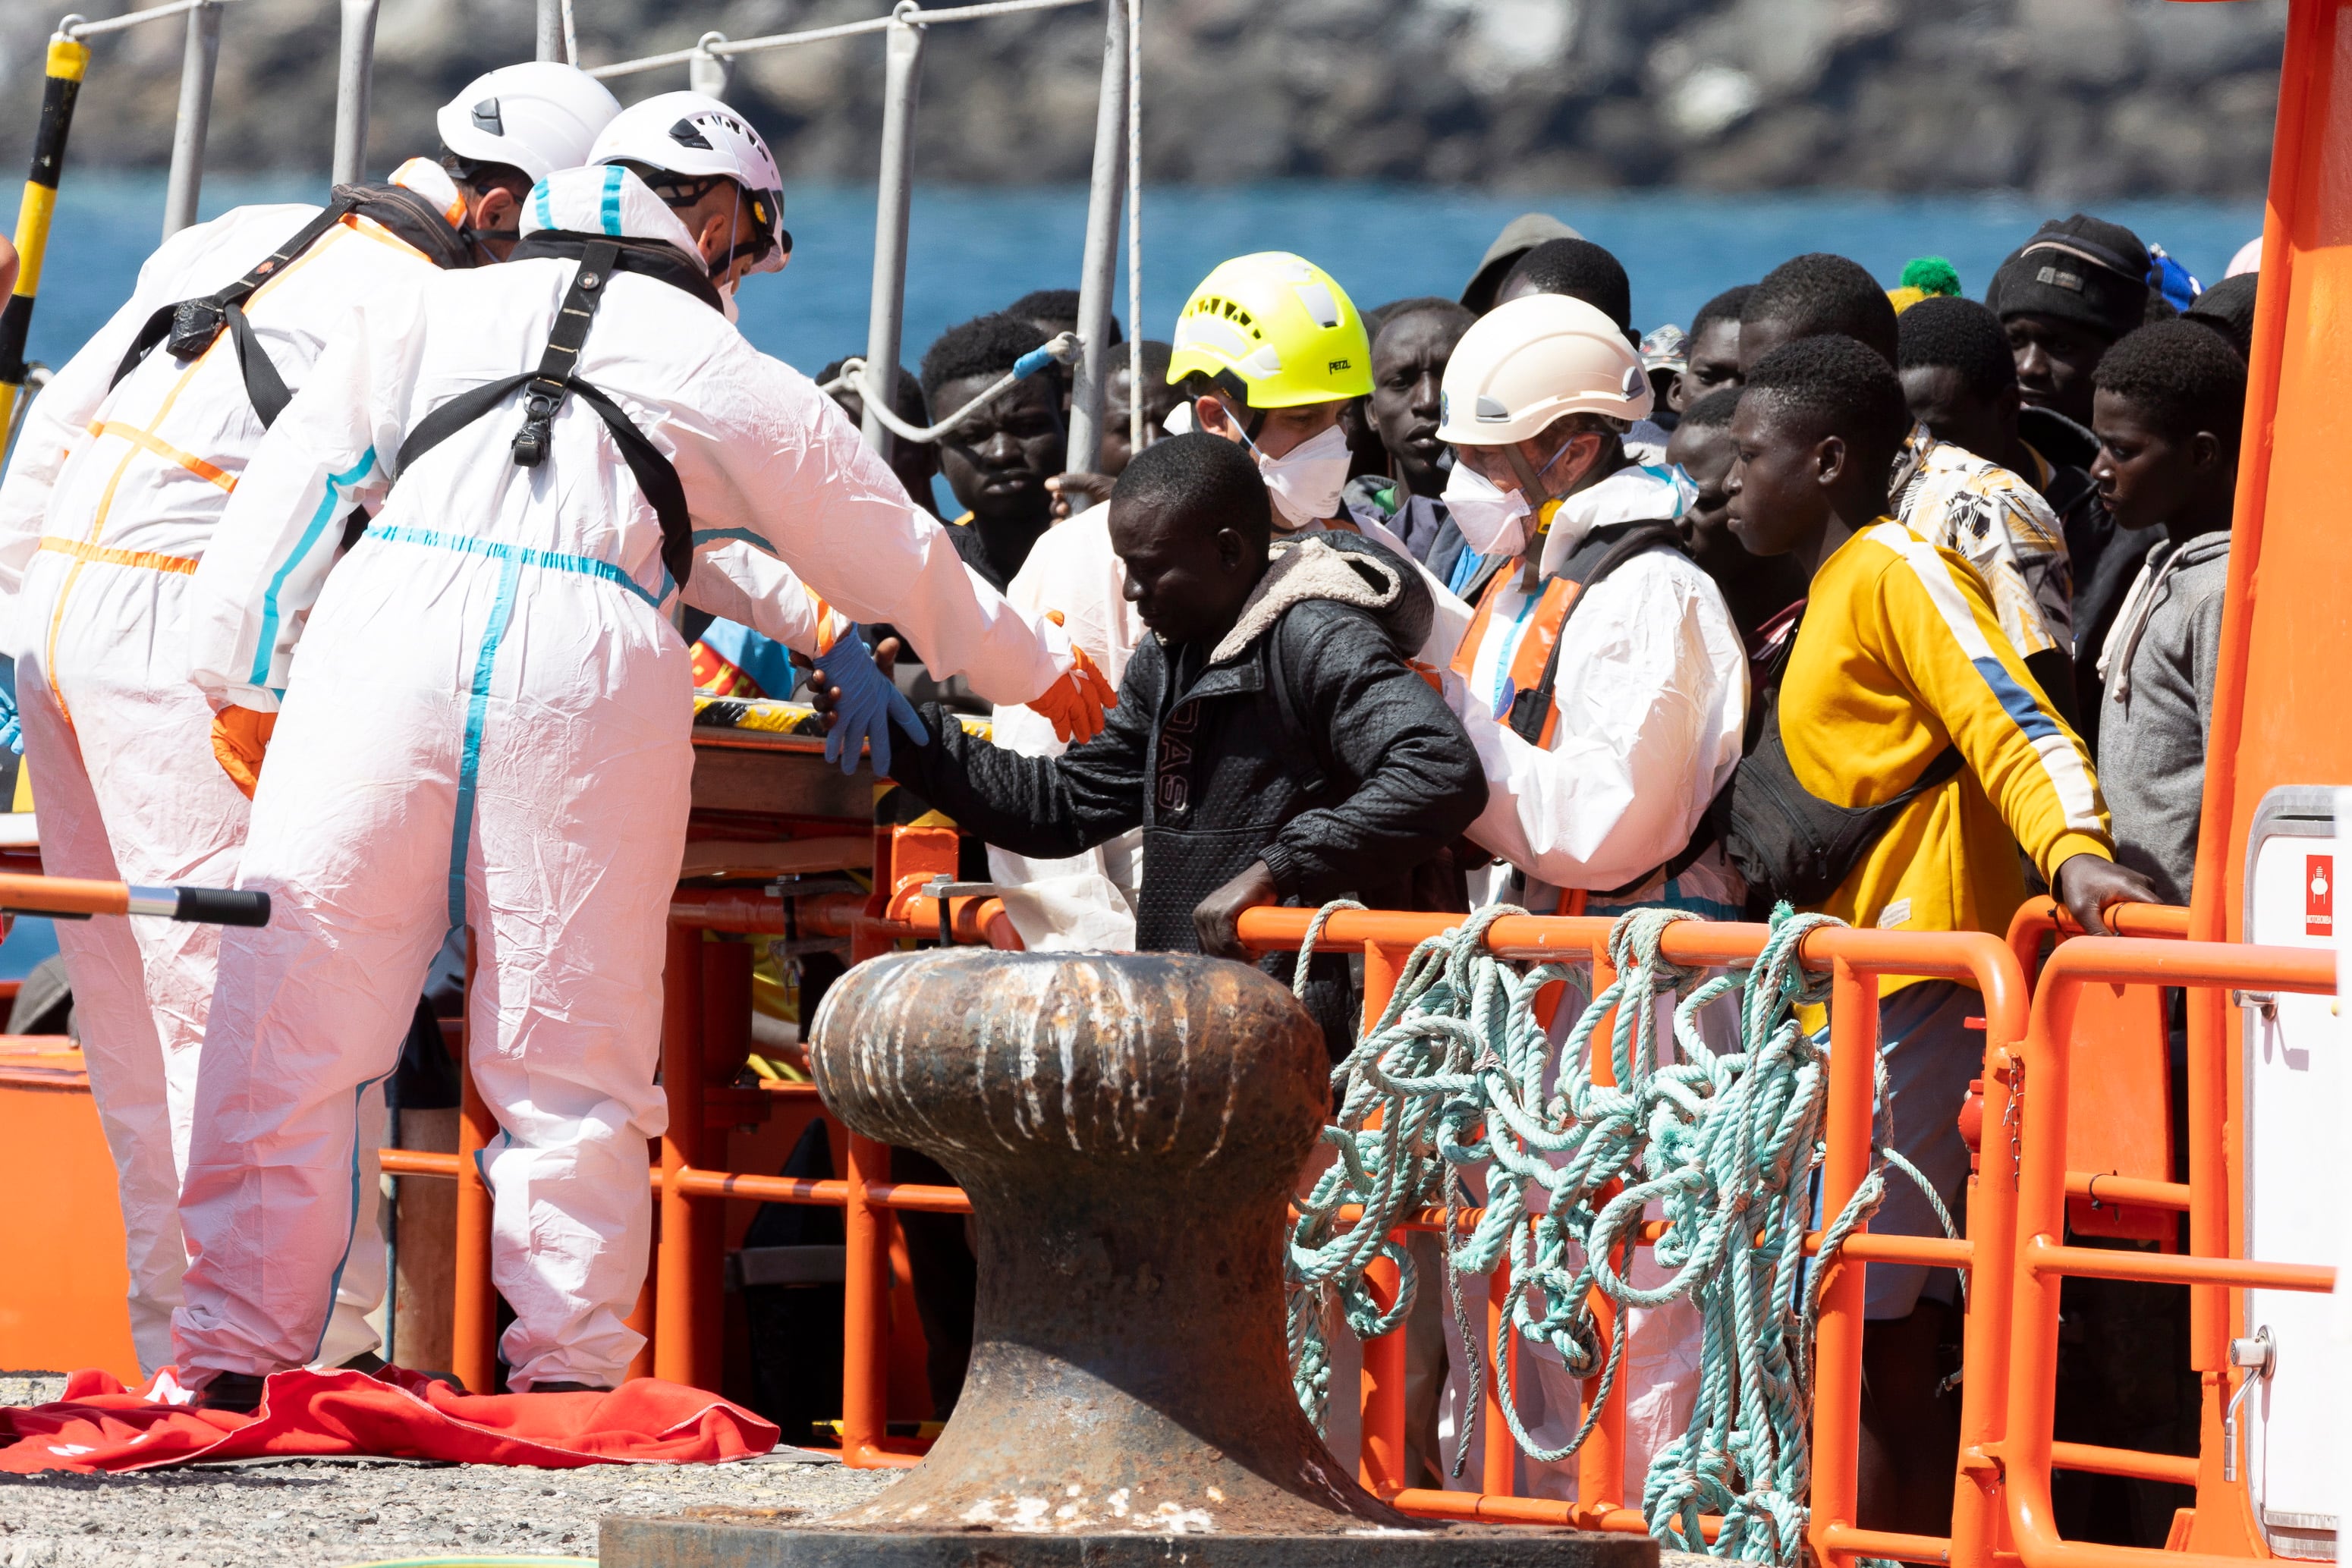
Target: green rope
x,y
1726,1145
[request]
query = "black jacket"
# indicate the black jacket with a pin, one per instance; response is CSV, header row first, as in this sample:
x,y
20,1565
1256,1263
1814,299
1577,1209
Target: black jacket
x,y
1345,783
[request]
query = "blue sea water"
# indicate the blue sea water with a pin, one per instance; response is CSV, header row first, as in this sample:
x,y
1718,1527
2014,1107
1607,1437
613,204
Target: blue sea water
x,y
975,249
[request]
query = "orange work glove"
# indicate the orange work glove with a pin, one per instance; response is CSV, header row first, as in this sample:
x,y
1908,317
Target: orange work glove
x,y
1074,705
240,737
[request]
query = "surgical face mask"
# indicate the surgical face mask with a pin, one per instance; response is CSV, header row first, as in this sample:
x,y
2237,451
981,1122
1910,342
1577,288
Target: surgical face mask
x,y
1306,481
727,302
1492,520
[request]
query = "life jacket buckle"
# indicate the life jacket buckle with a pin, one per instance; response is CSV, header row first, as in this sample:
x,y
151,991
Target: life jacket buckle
x,y
195,323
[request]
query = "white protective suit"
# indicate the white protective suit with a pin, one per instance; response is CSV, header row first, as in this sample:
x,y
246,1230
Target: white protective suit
x,y
1078,902
1652,700
490,722
113,500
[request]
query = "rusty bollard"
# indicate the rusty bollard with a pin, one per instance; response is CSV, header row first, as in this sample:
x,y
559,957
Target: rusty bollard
x,y
1130,1129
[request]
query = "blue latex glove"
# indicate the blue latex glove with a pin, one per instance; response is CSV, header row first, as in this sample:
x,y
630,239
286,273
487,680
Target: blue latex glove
x,y
869,701
12,734
764,659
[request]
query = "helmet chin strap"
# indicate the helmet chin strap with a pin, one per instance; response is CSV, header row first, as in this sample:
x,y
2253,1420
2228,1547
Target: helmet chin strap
x,y
1539,492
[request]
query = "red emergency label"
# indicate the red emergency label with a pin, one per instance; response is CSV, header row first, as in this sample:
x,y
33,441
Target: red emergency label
x,y
2319,895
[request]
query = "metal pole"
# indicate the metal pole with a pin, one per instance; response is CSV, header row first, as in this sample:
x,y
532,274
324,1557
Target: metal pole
x,y
901,85
1098,272
352,82
550,29
196,114
707,73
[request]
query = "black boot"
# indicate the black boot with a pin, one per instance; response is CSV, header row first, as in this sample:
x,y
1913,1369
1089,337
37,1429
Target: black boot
x,y
235,1391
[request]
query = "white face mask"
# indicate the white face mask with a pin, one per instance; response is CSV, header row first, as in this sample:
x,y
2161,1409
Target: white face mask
x,y
1306,481
1492,520
727,302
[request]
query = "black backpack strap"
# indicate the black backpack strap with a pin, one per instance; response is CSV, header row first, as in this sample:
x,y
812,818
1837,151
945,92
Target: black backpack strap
x,y
1592,560
544,391
190,326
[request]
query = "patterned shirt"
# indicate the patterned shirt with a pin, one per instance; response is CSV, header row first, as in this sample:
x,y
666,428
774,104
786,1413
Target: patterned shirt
x,y
1952,498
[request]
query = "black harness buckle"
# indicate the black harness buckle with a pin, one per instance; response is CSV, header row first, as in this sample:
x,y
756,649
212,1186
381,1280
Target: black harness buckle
x,y
196,324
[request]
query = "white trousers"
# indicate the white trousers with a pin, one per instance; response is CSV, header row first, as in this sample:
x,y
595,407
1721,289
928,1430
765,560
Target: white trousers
x,y
120,751
477,738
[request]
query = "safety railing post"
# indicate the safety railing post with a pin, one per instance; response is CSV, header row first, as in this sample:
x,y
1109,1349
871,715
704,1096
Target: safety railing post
x,y
474,1322
677,1288
354,73
1498,1450
707,73
548,30
1601,1463
197,65
865,1306
60,87
1099,269
1380,1467
901,86
1837,1353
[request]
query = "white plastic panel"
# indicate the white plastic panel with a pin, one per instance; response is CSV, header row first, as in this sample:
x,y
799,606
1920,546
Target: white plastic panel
x,y
2296,1186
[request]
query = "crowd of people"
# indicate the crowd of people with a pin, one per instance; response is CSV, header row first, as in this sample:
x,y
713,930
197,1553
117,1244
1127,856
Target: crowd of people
x,y
1883,602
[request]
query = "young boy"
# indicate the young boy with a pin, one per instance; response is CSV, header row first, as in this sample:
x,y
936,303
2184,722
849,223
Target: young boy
x,y
996,462
1900,662
1415,339
2169,401
1270,738
1762,592
1711,360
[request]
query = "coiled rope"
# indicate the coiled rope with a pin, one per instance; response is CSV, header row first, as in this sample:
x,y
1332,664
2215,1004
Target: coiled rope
x,y
1726,1145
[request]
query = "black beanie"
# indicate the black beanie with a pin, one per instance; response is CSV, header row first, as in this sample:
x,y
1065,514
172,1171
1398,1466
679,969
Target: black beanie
x,y
2081,269
2228,309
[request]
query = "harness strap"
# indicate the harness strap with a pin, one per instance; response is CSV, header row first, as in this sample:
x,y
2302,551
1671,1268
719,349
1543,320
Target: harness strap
x,y
1531,709
190,326
545,389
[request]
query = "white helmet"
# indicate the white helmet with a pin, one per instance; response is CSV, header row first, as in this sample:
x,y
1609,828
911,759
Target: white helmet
x,y
536,117
699,138
1525,364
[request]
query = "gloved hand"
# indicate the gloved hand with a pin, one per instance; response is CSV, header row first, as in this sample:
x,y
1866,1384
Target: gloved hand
x,y
862,700
1075,704
240,737
12,733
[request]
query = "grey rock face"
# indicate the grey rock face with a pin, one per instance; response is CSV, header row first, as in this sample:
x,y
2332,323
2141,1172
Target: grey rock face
x,y
2075,99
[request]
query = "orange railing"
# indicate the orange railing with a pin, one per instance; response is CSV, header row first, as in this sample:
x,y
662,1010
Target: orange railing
x,y
1856,960
2024,1456
2014,1251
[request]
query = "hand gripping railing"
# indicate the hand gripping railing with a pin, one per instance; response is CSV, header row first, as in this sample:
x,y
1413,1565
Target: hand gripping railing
x,y
2020,1462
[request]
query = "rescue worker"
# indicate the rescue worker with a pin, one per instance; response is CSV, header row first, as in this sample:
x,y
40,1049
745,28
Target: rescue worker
x,y
125,467
1604,685
487,722
1602,676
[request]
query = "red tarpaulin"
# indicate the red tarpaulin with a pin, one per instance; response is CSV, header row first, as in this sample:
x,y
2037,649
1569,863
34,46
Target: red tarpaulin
x,y
100,1425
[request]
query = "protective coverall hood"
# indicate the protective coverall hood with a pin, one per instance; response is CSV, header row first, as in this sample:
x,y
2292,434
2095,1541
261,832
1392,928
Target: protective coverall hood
x,y
604,200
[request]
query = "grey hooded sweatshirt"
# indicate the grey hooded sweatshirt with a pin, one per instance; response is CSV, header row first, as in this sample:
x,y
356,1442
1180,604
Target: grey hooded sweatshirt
x,y
2156,707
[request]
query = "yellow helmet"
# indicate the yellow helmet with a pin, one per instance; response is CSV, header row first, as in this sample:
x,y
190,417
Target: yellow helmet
x,y
1278,324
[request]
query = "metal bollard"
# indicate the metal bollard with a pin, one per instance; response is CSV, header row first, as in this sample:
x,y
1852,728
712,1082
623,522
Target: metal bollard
x,y
1130,1130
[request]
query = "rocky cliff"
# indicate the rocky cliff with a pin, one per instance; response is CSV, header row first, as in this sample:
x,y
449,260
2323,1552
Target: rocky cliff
x,y
2071,98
